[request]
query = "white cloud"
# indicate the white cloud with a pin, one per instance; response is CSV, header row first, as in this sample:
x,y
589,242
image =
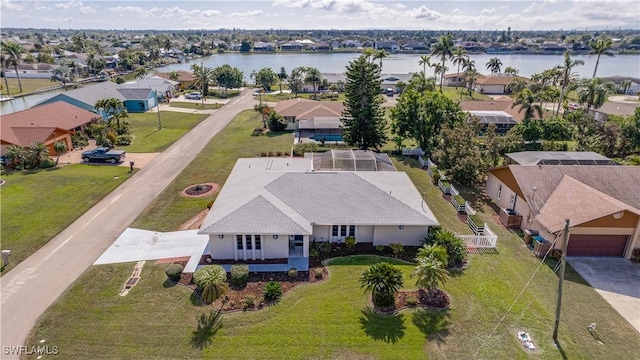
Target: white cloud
x,y
487,11
455,11
10,5
423,13
247,13
87,10
69,4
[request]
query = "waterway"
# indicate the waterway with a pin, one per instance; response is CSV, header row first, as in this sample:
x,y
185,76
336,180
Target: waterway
x,y
624,65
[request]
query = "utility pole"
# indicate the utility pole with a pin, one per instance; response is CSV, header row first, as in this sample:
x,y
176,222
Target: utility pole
x,y
158,107
563,260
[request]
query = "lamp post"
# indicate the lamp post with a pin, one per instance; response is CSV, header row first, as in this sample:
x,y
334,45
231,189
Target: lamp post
x,y
158,107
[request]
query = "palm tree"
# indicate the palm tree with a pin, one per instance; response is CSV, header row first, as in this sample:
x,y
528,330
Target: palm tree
x,y
600,46
62,74
211,280
203,77
141,72
313,76
380,54
425,61
262,109
526,100
118,110
4,62
459,58
382,279
174,75
368,53
625,85
38,153
511,70
429,273
60,148
14,52
17,155
567,75
516,85
494,65
282,76
594,92
434,251
444,49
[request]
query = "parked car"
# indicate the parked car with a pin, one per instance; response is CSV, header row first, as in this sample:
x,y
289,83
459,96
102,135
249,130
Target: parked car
x,y
104,154
196,95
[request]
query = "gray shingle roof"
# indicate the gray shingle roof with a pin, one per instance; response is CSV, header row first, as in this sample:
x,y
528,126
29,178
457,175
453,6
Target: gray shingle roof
x,y
92,93
283,195
559,157
135,94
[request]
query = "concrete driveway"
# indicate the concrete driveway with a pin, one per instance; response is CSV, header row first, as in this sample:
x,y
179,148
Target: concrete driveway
x,y
617,280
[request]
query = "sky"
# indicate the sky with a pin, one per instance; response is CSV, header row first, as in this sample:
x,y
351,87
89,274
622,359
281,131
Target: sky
x,y
322,14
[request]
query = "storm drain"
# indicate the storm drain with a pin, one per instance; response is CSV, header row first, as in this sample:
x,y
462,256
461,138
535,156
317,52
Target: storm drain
x,y
133,279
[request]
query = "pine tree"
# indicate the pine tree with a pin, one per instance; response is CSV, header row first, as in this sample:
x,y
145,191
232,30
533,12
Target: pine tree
x,y
363,117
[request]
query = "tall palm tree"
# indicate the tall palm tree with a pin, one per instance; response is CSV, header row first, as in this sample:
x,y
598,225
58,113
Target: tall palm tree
x,y
3,64
425,61
600,46
625,85
13,53
444,49
141,72
516,85
60,147
368,53
594,92
494,65
211,280
38,153
566,70
459,58
282,76
429,273
314,77
203,77
380,54
118,110
174,75
103,104
382,279
526,100
62,74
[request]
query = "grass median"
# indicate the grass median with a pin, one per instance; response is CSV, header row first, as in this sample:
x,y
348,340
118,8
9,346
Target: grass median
x,y
37,205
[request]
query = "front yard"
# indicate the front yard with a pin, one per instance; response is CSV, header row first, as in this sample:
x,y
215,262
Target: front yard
x,y
500,293
150,139
37,205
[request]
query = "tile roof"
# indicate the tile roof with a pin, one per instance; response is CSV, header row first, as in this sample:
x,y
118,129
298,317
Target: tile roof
x,y
57,114
304,109
494,105
282,195
498,79
25,136
183,75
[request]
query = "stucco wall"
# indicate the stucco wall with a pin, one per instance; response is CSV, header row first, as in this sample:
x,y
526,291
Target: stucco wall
x,y
275,248
221,248
410,235
364,233
521,206
321,232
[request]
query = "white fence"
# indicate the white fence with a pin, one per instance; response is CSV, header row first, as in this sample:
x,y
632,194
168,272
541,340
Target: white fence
x,y
422,162
468,209
487,240
453,190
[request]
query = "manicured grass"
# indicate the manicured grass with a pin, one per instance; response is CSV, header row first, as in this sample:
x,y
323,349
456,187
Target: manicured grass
x,y
325,320
149,139
195,106
213,164
28,85
454,94
36,206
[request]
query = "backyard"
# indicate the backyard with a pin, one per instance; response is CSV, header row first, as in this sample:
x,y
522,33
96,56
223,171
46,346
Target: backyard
x,y
28,85
500,292
149,139
37,205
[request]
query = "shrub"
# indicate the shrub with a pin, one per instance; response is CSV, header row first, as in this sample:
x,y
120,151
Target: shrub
x,y
412,301
249,301
239,274
124,140
263,153
383,299
276,122
314,250
47,163
211,279
456,249
174,272
325,247
272,291
293,273
301,149
397,248
350,241
318,273
380,248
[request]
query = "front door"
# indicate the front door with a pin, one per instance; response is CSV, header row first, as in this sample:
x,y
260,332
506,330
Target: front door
x,y
296,245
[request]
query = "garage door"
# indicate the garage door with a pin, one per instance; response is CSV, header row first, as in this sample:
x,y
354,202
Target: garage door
x,y
597,245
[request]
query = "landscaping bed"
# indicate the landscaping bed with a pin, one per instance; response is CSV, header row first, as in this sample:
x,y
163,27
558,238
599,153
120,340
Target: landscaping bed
x,y
434,300
339,250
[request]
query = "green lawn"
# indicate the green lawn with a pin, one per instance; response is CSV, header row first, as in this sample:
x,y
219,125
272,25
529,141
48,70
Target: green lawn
x,y
454,93
28,85
36,206
195,106
213,164
149,139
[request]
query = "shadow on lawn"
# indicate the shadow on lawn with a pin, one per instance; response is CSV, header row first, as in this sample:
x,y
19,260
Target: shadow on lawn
x,y
208,326
388,328
433,324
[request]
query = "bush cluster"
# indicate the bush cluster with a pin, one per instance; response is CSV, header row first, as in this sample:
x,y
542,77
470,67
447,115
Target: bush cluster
x,y
174,272
293,273
272,291
397,249
239,275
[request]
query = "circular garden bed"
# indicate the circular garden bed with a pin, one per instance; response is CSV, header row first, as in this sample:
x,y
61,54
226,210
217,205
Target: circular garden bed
x,y
200,190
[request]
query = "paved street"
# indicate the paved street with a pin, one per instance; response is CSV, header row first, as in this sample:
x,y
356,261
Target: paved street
x,y
32,286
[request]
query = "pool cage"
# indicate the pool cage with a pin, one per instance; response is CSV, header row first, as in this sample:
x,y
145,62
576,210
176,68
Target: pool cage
x,y
351,160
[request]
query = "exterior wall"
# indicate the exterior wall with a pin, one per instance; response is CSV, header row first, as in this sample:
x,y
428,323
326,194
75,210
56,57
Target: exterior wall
x,y
521,207
491,89
221,248
409,235
276,248
634,243
136,106
321,233
364,233
65,137
628,220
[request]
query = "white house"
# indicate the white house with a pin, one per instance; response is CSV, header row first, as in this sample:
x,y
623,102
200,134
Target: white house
x,y
272,208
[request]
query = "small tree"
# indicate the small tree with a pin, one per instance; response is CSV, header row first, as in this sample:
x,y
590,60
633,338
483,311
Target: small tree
x,y
383,280
38,153
276,122
456,249
429,273
60,148
211,280
434,251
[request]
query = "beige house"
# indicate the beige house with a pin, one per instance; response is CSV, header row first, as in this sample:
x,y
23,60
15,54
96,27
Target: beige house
x,y
602,203
495,84
273,208
295,110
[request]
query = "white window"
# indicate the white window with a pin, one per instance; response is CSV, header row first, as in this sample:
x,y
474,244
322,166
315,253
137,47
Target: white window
x,y
512,200
499,191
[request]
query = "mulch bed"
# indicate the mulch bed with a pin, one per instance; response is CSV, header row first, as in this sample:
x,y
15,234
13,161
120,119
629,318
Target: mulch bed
x,y
435,300
200,190
338,250
207,260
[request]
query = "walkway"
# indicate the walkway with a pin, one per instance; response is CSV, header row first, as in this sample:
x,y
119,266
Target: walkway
x,y
32,286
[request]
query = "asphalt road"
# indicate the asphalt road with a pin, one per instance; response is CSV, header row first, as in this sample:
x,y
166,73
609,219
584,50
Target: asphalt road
x,y
32,286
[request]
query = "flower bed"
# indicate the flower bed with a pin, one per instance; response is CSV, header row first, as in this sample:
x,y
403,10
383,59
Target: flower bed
x,y
458,203
475,224
431,299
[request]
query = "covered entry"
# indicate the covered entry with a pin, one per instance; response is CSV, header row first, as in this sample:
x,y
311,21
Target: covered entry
x,y
597,245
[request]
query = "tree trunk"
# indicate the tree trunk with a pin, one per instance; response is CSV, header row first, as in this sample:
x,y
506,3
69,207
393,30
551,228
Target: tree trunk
x,y
596,68
15,66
